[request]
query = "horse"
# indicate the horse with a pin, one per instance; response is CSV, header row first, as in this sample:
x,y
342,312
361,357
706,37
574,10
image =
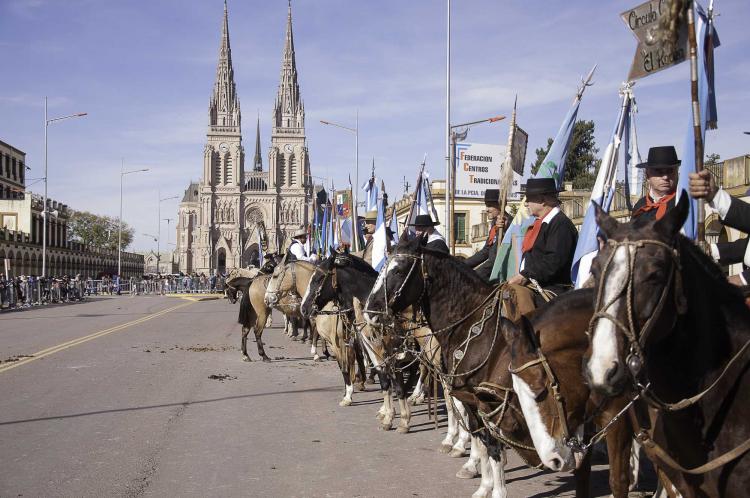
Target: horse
x,y
475,357
346,280
292,279
546,351
669,331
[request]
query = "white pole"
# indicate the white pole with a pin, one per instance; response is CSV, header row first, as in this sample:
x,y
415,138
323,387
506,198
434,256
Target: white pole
x,y
44,202
355,187
158,229
119,223
447,221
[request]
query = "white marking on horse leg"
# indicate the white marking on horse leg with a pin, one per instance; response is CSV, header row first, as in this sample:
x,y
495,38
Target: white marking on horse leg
x,y
485,486
447,443
463,434
544,443
405,415
473,462
604,338
417,390
635,464
347,396
499,490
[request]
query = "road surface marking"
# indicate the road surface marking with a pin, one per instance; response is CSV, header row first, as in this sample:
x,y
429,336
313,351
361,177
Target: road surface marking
x,y
95,335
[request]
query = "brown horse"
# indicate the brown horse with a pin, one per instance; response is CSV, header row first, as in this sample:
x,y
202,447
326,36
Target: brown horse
x,y
475,357
669,328
547,350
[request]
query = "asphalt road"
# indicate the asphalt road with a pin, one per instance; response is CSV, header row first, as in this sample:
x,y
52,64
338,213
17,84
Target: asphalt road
x,y
148,396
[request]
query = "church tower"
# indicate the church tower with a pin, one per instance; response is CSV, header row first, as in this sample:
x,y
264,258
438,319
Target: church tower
x,y
219,237
289,164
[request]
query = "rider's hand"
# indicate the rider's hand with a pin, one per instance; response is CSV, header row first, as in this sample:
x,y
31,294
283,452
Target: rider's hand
x,y
518,280
500,222
703,186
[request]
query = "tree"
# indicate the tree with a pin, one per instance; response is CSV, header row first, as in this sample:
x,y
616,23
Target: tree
x,y
712,159
581,164
99,232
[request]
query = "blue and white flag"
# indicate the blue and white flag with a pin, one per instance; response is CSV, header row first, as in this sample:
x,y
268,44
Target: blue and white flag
x,y
633,176
602,194
707,39
394,226
326,231
371,194
261,258
509,255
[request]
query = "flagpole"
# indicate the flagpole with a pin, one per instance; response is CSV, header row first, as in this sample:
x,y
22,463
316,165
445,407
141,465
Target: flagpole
x,y
506,173
697,132
448,166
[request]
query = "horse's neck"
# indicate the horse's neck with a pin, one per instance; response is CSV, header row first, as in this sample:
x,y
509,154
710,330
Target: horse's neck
x,y
452,293
357,283
304,274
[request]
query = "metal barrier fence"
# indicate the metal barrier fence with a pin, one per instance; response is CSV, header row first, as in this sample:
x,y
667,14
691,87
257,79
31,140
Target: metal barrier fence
x,y
33,292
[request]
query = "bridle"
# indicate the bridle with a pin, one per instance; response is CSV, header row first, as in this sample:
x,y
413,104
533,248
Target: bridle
x,y
637,337
280,278
316,295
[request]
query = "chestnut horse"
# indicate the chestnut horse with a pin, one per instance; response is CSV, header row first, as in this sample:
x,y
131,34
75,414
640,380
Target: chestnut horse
x,y
669,328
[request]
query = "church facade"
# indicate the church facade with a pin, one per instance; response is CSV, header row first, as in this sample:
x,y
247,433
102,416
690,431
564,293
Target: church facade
x,y
224,218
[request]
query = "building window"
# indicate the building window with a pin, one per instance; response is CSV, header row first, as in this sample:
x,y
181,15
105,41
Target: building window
x,y
459,228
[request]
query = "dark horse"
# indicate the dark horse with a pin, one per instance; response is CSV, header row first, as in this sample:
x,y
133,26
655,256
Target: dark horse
x,y
464,314
547,348
344,279
671,329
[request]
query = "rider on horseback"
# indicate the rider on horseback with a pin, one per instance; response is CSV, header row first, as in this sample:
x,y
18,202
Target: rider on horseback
x,y
548,247
483,260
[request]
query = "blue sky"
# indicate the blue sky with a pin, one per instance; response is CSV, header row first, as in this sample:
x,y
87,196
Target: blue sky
x,y
144,70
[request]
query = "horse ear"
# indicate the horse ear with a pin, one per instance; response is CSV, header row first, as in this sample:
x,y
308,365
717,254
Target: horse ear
x,y
404,237
673,220
606,223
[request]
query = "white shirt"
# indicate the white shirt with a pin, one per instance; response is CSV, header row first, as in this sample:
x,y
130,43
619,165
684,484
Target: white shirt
x,y
435,235
546,220
721,203
298,249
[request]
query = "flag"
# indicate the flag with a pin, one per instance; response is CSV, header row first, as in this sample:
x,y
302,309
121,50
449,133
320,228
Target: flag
x,y
261,258
707,40
379,238
316,229
371,194
508,256
394,226
632,157
602,193
325,231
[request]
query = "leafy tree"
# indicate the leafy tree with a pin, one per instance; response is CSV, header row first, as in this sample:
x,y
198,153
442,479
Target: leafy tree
x,y
581,164
97,231
712,158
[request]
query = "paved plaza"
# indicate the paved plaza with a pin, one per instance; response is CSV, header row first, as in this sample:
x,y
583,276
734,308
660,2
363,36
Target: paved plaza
x,y
148,396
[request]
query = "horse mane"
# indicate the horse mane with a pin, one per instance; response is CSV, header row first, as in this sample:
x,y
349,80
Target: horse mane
x,y
362,266
462,268
700,263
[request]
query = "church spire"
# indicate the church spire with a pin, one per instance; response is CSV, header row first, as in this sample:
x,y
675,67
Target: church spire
x,y
257,162
289,111
224,107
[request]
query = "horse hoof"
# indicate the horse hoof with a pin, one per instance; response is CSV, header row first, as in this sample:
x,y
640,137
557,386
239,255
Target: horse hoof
x,y
445,449
345,402
402,429
246,358
456,453
267,359
466,474
386,427
294,338
482,493
317,358
380,416
360,386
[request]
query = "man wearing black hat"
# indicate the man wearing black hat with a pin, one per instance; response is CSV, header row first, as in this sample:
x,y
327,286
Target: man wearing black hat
x,y
484,259
661,174
369,230
424,226
734,213
549,244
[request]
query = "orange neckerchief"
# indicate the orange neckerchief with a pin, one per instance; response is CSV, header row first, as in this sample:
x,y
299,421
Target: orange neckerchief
x,y
660,206
492,236
531,234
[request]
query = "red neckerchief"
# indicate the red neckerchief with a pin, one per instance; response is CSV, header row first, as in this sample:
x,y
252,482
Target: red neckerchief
x,y
492,237
531,234
660,206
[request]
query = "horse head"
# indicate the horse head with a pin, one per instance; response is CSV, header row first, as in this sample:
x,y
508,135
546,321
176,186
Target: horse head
x,y
400,284
320,290
551,407
639,295
230,293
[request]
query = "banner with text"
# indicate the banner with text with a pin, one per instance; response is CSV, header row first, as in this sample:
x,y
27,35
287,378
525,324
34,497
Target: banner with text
x,y
478,168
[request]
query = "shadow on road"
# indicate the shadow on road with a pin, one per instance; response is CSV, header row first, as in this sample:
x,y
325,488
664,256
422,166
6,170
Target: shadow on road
x,y
167,405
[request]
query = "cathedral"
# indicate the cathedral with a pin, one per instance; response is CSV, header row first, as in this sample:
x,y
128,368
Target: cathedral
x,y
224,219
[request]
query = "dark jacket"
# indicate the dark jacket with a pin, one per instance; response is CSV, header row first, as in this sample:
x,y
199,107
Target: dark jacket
x,y
738,217
648,216
438,245
484,259
549,260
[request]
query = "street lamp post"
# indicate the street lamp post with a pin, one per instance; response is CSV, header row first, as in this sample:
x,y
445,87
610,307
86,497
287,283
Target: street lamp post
x,y
171,258
355,130
119,220
452,172
158,218
47,122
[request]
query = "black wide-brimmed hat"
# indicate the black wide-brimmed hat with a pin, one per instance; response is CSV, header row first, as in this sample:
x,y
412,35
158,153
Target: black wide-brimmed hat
x,y
491,197
424,220
538,186
664,157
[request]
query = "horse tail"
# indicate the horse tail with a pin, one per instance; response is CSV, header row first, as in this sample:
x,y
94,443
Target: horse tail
x,y
245,315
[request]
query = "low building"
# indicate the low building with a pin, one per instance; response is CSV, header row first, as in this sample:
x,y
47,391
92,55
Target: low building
x,y
21,230
166,263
